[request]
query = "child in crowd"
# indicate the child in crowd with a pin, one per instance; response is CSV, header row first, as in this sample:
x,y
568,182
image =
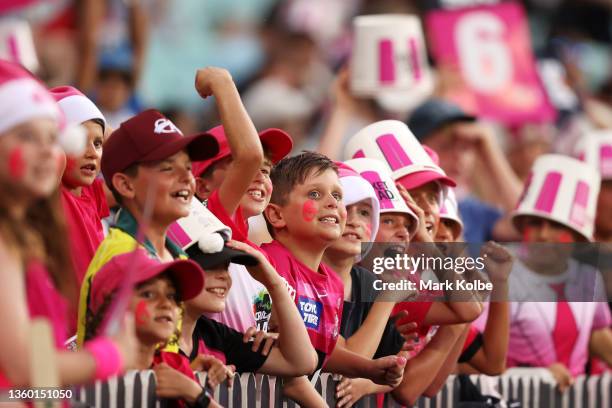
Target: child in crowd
x,y
83,196
557,210
159,290
36,274
483,352
236,186
305,216
365,324
146,154
292,355
429,368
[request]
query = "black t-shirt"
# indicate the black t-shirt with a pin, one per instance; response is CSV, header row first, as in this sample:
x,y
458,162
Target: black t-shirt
x,y
356,311
214,338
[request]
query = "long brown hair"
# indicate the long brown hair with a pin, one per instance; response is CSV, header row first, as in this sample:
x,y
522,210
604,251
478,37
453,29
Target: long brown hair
x,y
41,235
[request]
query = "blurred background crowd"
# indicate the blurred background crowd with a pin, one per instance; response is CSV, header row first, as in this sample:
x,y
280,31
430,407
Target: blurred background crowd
x,y
283,54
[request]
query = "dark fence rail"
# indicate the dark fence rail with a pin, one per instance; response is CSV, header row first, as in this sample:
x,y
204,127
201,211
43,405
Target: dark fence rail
x,y
530,387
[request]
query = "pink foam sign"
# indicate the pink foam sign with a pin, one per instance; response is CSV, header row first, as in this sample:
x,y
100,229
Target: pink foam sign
x,y
548,194
386,64
394,153
579,204
382,192
178,235
491,31
605,160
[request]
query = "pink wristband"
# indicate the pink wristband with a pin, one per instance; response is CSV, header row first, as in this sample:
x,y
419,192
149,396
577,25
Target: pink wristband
x,y
107,356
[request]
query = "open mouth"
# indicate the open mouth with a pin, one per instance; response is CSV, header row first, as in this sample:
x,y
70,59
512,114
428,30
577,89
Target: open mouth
x,y
219,292
352,236
89,168
330,219
256,194
164,319
182,195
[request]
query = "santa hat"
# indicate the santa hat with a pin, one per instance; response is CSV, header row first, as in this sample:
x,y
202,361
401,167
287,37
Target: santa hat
x,y
23,97
77,108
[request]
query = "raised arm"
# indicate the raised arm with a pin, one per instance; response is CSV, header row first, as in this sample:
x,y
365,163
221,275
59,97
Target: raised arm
x,y
242,137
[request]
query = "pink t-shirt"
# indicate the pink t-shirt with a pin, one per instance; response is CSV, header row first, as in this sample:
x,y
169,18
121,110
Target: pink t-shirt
x,y
84,215
248,303
532,323
318,295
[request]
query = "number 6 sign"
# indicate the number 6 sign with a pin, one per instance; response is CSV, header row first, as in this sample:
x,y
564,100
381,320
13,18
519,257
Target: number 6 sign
x,y
490,46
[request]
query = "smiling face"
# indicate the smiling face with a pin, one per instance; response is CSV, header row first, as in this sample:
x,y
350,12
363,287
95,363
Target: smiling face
x,y
314,208
256,197
427,197
358,229
217,285
82,171
31,161
156,310
174,189
545,237
394,227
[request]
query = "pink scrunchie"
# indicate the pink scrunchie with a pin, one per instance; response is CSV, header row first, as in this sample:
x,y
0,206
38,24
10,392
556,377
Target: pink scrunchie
x,y
108,359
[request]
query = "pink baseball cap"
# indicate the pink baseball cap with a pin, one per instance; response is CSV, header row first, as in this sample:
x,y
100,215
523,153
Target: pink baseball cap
x,y
421,178
23,97
276,141
77,107
187,275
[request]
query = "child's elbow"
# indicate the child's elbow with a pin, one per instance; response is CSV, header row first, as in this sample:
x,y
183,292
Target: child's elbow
x,y
494,369
405,396
309,365
469,312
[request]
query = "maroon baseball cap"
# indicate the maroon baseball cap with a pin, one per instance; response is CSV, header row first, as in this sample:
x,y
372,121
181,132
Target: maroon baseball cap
x,y
150,136
277,142
187,275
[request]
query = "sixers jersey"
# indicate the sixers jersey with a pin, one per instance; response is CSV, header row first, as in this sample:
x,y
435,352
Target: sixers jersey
x,y
319,296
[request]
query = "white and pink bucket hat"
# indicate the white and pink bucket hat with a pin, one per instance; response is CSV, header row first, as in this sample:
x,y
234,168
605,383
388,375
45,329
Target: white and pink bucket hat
x,y
379,177
596,150
450,211
392,143
23,97
561,189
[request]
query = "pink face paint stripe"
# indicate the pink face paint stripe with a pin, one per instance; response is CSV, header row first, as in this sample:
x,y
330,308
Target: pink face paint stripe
x,y
578,208
359,154
178,235
605,160
548,193
386,65
393,151
379,186
414,59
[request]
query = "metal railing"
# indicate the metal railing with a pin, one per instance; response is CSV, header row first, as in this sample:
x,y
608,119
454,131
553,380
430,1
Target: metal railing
x,y
531,387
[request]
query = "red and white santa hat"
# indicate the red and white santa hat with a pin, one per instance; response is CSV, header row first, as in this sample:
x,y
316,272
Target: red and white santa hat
x,y
561,189
77,108
23,97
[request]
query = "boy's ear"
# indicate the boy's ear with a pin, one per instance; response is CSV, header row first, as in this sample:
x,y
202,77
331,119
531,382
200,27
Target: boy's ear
x,y
203,188
123,185
274,215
